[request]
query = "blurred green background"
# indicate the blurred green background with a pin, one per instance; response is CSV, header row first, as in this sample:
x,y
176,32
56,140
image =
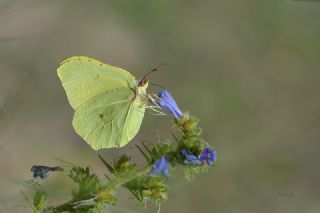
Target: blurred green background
x,y
248,69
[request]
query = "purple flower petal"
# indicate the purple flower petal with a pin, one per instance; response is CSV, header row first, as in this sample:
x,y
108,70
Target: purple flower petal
x,y
208,155
190,158
160,167
168,103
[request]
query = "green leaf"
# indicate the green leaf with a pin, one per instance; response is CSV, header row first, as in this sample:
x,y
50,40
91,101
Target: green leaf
x,y
144,154
29,202
146,148
39,200
109,167
89,184
123,165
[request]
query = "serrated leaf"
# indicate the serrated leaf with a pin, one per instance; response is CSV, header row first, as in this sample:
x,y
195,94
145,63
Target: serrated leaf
x,y
109,167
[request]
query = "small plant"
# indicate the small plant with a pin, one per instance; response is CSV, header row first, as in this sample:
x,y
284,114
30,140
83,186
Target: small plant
x,y
147,183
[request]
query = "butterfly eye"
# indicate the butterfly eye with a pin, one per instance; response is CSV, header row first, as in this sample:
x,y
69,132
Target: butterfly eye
x,y
142,82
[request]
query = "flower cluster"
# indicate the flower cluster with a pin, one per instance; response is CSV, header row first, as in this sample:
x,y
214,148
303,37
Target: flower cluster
x,y
186,150
207,155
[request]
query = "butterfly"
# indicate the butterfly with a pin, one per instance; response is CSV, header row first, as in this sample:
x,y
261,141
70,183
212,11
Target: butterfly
x,y
109,102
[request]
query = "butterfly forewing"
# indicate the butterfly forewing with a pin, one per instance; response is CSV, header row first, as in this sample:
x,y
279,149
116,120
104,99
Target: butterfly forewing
x,y
84,78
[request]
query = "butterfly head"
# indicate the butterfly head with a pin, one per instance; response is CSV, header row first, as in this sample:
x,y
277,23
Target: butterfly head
x,y
143,82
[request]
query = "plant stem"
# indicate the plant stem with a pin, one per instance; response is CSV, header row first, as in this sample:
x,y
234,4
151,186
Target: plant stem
x,y
110,187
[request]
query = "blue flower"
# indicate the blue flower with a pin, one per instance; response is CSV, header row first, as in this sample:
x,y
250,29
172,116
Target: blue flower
x,y
168,103
208,155
190,158
160,167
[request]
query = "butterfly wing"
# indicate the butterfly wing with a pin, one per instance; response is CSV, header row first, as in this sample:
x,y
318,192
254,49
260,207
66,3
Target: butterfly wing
x,y
110,119
84,78
106,113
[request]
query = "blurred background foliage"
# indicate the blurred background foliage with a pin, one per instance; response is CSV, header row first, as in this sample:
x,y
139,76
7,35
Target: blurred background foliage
x,y
248,69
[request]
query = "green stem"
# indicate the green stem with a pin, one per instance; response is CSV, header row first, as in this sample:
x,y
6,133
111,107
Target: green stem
x,y
111,186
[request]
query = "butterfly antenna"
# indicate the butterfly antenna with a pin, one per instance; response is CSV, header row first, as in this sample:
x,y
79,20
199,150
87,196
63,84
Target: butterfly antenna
x,y
144,80
158,85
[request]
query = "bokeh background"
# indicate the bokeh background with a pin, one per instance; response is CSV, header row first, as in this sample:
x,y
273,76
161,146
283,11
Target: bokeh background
x,y
248,69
